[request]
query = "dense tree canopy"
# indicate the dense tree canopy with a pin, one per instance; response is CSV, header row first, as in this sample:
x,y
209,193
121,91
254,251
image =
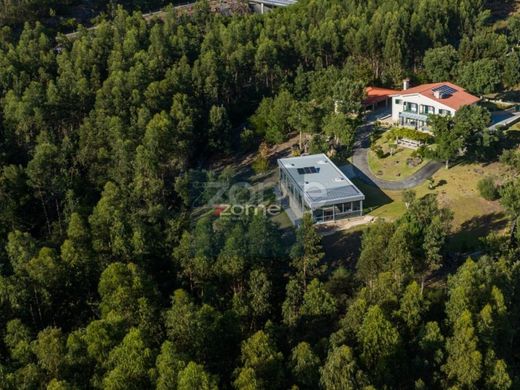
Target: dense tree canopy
x,y
112,278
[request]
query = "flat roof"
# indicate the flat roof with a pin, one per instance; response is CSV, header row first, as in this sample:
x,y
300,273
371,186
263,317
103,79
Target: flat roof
x,y
320,180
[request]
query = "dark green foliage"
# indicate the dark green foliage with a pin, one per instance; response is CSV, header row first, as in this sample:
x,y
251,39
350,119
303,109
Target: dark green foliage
x,y
439,63
114,275
481,76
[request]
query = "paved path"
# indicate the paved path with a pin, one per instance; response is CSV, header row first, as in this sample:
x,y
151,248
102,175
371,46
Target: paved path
x,y
361,170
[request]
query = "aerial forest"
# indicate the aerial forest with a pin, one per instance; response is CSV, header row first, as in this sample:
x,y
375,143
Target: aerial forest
x,y
110,280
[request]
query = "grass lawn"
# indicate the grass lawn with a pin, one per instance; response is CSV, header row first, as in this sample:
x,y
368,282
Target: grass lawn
x,y
515,127
456,188
282,221
392,167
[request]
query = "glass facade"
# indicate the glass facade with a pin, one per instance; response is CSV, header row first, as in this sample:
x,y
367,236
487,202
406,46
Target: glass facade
x,y
338,211
327,213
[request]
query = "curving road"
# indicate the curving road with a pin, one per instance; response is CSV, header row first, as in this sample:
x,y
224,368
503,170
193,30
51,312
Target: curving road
x,y
362,171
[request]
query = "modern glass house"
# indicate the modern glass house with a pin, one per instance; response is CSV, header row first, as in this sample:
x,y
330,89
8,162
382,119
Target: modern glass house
x,y
315,184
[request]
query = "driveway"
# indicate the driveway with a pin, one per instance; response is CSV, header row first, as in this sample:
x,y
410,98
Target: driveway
x,y
361,170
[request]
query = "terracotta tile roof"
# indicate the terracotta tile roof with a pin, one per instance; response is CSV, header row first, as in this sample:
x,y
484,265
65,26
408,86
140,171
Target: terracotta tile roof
x,y
376,95
456,100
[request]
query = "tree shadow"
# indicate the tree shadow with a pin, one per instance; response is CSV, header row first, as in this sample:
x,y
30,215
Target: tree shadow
x,y
512,96
440,183
342,248
467,238
500,10
511,139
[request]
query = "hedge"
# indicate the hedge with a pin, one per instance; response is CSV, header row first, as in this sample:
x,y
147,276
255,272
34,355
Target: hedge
x,y
416,135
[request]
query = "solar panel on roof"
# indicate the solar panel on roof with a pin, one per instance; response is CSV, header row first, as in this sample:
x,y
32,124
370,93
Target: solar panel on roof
x,y
444,90
307,170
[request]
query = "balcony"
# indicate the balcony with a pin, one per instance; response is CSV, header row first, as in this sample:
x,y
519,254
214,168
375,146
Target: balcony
x,y
414,120
413,115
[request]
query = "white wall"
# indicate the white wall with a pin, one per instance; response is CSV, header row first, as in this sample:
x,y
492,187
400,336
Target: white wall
x,y
418,99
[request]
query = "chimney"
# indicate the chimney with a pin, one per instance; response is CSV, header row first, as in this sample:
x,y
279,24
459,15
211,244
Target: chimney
x,y
406,84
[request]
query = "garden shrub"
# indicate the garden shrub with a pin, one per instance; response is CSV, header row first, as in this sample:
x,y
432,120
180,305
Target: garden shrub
x,y
488,189
415,135
378,150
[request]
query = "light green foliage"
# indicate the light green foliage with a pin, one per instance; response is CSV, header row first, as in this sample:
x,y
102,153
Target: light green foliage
x,y
21,247
111,231
431,346
58,385
128,363
292,304
487,188
464,361
17,339
349,94
412,306
449,143
261,363
49,348
341,371
399,254
194,377
510,198
307,253
379,341
219,132
305,366
350,323
374,244
499,378
511,65
124,288
201,332
317,301
342,129
260,290
169,364
404,132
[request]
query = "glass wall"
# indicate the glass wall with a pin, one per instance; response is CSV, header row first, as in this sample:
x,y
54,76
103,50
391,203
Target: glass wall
x,y
337,211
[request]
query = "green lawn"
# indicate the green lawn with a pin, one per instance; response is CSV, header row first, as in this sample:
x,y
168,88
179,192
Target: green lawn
x,y
282,221
393,166
515,127
456,188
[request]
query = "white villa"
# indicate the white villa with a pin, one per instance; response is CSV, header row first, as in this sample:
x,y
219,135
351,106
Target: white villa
x,y
411,106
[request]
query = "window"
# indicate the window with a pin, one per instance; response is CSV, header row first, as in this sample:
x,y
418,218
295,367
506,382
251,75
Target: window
x,y
427,109
444,112
398,101
410,107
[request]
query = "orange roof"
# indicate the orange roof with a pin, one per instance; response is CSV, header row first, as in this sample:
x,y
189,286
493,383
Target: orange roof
x,y
376,95
456,100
